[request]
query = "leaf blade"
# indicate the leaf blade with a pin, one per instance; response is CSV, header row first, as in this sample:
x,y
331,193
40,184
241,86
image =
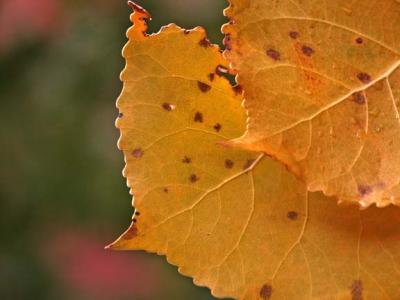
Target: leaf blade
x,y
243,226
327,105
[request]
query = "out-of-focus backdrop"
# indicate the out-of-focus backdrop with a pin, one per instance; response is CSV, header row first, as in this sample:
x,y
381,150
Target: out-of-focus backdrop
x,y
62,196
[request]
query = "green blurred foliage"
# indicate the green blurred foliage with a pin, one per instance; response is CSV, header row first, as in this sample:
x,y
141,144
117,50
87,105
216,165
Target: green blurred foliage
x,y
60,169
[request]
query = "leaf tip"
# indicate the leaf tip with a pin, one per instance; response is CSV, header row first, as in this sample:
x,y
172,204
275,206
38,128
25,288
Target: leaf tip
x,y
139,17
138,8
108,247
122,242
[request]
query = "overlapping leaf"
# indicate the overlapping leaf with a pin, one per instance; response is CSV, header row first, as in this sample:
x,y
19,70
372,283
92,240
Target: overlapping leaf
x,y
236,221
322,89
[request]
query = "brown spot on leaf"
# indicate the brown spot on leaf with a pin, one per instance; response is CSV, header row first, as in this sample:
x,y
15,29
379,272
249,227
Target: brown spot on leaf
x,y
266,292
168,106
211,76
359,98
364,77
198,117
229,164
248,164
137,153
312,82
205,42
227,42
380,186
237,89
134,220
292,215
359,40
165,190
137,213
308,51
130,233
204,87
217,127
294,34
186,31
356,290
186,160
272,53
364,190
120,115
193,178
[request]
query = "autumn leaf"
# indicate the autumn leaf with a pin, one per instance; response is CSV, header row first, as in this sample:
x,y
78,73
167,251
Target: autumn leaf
x,y
322,90
235,221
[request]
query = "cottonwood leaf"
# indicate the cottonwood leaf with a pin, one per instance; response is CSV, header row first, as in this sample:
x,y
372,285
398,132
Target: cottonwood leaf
x,y
322,90
235,221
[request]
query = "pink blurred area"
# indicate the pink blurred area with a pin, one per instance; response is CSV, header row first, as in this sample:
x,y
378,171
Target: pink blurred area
x,y
33,19
24,18
84,267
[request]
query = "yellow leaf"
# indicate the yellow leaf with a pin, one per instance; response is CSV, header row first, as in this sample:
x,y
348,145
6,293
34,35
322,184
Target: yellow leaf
x,y
235,221
322,89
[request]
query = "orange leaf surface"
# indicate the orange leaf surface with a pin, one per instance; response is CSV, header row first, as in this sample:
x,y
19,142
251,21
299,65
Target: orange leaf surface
x,y
322,90
235,221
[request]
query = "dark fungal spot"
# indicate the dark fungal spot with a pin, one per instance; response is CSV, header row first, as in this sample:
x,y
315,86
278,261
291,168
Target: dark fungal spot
x,y
272,53
308,51
137,153
357,290
292,215
359,40
168,106
198,117
137,213
227,42
217,127
205,42
229,164
193,178
186,160
364,190
221,70
237,89
134,220
380,186
359,98
204,87
166,190
266,292
120,115
294,34
364,77
211,76
248,164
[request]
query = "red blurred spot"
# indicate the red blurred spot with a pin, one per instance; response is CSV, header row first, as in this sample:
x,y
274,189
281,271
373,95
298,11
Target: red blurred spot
x,y
83,265
24,18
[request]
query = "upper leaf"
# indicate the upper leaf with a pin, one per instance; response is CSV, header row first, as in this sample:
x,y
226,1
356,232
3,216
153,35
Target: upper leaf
x,y
235,221
322,89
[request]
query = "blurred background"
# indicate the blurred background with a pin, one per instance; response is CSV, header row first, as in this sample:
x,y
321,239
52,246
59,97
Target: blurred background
x,y
62,196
